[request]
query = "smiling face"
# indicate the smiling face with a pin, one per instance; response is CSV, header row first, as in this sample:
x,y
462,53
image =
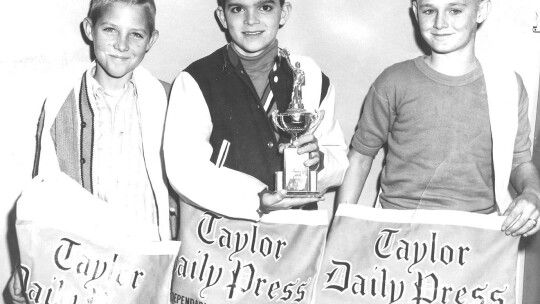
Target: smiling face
x,y
449,26
121,37
253,24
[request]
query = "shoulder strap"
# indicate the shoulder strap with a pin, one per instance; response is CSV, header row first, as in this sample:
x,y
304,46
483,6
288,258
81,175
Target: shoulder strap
x,y
39,133
167,87
503,102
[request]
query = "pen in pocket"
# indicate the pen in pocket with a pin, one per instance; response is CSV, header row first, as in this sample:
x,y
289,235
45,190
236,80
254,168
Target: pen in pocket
x,y
223,151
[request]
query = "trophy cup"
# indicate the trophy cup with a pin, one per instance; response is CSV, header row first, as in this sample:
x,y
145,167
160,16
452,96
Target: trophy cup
x,y
296,178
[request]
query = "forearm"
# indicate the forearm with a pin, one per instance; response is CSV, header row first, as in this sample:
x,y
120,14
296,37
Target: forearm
x,y
525,179
332,144
187,158
335,166
355,177
523,213
223,191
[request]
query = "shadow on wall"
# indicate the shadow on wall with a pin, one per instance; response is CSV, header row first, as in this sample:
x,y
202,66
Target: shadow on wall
x,y
91,54
13,247
221,28
420,42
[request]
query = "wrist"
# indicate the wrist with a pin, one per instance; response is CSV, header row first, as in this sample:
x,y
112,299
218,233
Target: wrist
x,y
262,208
320,165
321,161
533,192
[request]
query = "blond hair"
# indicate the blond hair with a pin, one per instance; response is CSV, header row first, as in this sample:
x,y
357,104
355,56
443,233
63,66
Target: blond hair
x,y
97,7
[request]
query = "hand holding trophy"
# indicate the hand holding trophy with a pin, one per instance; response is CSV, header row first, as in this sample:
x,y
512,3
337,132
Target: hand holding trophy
x,y
297,179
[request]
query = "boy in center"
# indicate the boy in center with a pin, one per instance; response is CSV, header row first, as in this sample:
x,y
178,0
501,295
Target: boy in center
x,y
221,148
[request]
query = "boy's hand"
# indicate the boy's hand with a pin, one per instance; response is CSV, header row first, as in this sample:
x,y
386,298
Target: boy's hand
x,y
522,216
306,143
271,201
15,288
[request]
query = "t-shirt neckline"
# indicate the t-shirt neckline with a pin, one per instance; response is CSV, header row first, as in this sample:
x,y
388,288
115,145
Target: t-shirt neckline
x,y
448,80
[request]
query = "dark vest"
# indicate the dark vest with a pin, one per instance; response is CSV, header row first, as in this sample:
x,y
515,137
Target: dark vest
x,y
239,117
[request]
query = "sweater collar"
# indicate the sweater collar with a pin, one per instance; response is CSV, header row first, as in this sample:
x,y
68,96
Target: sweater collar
x,y
257,63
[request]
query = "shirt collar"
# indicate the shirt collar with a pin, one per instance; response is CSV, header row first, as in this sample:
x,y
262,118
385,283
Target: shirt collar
x,y
97,89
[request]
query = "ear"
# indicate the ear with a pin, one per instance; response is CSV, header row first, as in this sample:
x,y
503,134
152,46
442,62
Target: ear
x,y
221,16
415,9
153,39
285,13
87,26
484,7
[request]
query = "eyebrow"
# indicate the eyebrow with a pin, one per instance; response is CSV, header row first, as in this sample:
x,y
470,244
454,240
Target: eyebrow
x,y
107,23
260,2
458,4
449,4
268,1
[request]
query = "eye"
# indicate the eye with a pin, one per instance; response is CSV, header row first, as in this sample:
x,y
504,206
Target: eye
x,y
428,11
137,35
455,11
109,30
236,9
266,8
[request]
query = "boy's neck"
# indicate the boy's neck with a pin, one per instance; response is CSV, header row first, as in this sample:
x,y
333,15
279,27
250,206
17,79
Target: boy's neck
x,y
110,83
452,64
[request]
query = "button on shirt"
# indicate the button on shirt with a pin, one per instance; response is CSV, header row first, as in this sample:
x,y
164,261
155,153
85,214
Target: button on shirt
x,y
119,170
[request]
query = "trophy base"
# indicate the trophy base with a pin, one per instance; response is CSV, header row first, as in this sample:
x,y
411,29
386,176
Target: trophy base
x,y
311,190
301,194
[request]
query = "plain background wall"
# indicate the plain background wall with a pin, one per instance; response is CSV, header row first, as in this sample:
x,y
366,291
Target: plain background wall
x,y
353,41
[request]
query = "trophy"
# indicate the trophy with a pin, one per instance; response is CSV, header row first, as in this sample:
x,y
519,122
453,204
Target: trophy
x,y
296,178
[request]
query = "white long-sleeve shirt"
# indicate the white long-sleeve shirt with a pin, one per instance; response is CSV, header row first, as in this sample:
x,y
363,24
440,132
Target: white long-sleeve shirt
x,y
229,192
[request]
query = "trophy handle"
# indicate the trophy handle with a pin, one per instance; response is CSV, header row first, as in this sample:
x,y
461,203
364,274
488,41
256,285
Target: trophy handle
x,y
316,122
276,121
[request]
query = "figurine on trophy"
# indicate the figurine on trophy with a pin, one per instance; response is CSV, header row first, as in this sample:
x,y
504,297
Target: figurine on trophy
x,y
296,178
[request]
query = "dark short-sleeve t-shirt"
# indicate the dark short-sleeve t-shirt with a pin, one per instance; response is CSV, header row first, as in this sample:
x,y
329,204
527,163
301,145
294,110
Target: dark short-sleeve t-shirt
x,y
437,131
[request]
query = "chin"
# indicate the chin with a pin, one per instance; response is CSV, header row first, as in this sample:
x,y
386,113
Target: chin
x,y
255,47
118,74
443,51
440,49
252,49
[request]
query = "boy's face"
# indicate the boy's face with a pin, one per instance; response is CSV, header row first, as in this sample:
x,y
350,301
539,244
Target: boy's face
x,y
450,25
253,24
121,37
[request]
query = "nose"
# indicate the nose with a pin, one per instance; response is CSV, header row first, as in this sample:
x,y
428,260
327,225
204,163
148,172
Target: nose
x,y
440,21
121,43
251,17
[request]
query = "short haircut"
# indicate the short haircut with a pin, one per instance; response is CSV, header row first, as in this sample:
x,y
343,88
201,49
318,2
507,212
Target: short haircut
x,y
222,2
97,6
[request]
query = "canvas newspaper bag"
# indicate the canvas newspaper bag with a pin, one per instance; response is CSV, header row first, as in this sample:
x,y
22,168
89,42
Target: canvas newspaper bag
x,y
75,248
224,260
417,256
